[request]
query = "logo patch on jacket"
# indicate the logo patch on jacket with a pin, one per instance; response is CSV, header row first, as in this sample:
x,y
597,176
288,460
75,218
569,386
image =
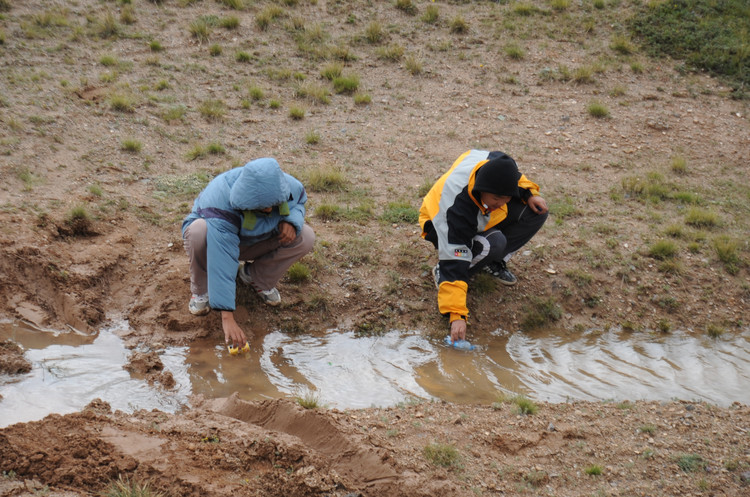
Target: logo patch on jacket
x,y
462,252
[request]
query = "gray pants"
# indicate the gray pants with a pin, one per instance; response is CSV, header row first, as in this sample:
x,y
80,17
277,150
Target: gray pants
x,y
502,241
270,259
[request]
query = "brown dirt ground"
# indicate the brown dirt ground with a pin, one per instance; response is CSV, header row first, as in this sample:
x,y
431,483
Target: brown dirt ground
x,y
61,147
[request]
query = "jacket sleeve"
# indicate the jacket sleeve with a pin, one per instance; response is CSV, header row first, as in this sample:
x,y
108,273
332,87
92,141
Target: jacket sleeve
x,y
527,187
454,267
297,204
222,258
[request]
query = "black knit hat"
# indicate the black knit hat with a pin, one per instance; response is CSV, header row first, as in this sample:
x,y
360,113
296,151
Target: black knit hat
x,y
498,176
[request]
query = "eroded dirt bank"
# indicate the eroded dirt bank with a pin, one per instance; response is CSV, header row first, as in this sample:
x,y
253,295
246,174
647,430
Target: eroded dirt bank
x,y
277,448
648,232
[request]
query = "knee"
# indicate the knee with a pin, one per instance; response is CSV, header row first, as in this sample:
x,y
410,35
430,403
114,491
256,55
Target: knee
x,y
308,238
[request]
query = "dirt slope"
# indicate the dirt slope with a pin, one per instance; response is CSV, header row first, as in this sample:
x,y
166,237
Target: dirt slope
x,y
123,110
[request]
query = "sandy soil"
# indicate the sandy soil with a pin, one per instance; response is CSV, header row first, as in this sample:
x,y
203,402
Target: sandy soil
x,y
72,94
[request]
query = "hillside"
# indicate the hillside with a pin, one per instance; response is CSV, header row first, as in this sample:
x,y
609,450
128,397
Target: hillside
x,y
114,115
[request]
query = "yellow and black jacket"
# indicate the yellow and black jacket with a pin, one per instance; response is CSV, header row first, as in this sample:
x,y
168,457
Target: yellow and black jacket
x,y
450,216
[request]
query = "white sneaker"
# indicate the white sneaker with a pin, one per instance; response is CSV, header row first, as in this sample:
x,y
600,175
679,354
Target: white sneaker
x,y
270,297
198,305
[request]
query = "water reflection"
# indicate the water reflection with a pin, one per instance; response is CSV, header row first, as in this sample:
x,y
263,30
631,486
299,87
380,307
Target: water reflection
x,y
348,371
617,365
69,371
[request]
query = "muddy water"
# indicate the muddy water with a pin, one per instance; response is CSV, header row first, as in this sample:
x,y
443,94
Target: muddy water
x,y
347,371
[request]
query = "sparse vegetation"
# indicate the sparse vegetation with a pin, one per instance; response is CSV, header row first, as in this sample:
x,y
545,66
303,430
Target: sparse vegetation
x,y
690,462
701,218
539,312
131,145
296,113
597,109
213,109
325,179
309,399
130,488
441,454
298,273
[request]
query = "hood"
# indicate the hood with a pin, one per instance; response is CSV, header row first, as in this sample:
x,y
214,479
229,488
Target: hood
x,y
261,184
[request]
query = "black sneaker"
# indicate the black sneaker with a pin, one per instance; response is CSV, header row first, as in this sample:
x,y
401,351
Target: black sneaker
x,y
500,270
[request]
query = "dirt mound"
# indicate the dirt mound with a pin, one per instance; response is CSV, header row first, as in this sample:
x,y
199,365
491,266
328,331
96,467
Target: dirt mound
x,y
222,447
12,360
276,448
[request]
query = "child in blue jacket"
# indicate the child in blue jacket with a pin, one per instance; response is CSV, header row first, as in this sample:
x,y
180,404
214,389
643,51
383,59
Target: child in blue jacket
x,y
255,214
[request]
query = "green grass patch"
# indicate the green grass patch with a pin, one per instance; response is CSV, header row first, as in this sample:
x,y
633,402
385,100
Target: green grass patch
x,y
540,312
400,213
298,273
431,14
328,212
362,98
413,64
663,250
314,92
346,84
514,51
708,35
727,250
392,52
690,462
407,7
593,470
701,218
653,187
678,164
332,70
243,56
181,186
715,331
374,32
312,137
131,145
441,454
324,179
597,109
212,109
458,25
175,113
296,113
122,103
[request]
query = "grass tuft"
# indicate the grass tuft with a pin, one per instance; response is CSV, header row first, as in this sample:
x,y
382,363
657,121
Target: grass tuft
x,y
131,145
727,250
690,462
298,273
441,454
309,399
130,488
597,109
325,179
540,312
701,218
431,14
663,250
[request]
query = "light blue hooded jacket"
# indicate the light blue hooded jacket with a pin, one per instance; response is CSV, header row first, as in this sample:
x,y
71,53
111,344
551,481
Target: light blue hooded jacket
x,y
230,205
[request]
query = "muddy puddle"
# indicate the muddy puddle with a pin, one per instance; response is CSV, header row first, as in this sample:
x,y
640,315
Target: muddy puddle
x,y
344,370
